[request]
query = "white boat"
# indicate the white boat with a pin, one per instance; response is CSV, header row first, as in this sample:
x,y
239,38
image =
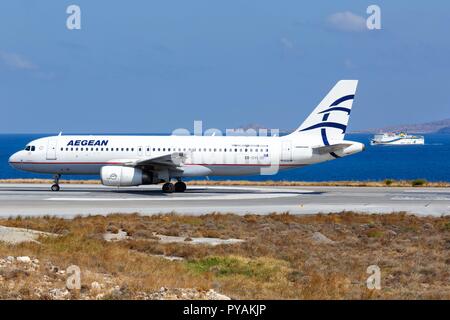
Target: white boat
x,y
393,138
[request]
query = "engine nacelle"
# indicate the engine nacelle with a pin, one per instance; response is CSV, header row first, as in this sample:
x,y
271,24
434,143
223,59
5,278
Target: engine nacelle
x,y
121,176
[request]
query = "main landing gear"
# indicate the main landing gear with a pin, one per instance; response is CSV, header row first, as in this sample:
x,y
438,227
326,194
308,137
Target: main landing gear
x,y
169,187
55,186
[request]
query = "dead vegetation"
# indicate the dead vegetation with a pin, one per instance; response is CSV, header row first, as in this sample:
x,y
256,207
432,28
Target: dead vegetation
x,y
269,183
323,256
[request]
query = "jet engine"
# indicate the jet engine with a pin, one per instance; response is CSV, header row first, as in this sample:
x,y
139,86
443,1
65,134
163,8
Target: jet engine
x,y
121,176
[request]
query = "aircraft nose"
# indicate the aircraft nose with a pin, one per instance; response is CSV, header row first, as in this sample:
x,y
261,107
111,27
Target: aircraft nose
x,y
13,159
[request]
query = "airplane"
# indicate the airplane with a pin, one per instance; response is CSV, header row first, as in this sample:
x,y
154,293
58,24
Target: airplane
x,y
123,161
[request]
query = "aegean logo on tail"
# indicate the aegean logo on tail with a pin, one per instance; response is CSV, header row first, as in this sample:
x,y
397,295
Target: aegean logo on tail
x,y
88,143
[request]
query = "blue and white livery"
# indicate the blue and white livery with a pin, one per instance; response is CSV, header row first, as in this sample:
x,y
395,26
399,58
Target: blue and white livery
x,y
137,160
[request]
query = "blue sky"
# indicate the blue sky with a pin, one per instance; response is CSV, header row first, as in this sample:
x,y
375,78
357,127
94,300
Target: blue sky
x,y
153,66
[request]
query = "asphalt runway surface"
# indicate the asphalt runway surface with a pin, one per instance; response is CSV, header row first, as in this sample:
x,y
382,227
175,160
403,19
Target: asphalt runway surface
x,y
73,199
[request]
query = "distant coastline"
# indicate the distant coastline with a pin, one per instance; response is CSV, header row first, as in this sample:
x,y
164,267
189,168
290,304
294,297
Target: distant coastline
x,y
440,126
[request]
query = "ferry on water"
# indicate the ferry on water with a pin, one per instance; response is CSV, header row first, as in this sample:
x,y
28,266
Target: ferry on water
x,y
393,138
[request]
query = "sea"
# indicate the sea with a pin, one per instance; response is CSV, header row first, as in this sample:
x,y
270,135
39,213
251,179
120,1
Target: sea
x,y
430,161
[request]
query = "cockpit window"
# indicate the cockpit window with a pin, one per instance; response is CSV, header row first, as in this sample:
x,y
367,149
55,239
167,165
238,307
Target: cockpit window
x,y
33,148
28,148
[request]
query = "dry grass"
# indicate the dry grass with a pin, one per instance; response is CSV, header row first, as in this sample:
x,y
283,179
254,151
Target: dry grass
x,y
383,183
279,259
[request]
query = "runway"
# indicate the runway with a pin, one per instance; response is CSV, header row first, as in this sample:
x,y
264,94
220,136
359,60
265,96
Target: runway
x,y
73,199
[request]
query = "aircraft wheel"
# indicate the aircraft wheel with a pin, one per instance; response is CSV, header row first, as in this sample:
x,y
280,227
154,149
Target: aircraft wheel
x,y
55,187
168,187
180,186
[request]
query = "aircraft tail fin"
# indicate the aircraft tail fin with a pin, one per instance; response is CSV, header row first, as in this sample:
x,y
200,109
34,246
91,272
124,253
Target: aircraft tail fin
x,y
328,122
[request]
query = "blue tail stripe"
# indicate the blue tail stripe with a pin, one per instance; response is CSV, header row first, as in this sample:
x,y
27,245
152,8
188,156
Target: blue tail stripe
x,y
325,117
334,155
337,109
340,100
323,132
327,125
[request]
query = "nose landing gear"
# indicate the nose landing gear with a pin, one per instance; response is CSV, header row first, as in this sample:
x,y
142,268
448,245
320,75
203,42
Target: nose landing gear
x,y
55,186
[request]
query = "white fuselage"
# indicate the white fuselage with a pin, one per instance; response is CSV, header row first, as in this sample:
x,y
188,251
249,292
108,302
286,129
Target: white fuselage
x,y
138,160
203,155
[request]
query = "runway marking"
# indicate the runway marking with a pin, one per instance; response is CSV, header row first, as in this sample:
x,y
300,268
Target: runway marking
x,y
224,197
430,190
426,198
261,189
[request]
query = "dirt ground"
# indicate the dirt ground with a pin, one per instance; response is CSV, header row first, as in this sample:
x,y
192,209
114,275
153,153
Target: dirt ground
x,y
283,256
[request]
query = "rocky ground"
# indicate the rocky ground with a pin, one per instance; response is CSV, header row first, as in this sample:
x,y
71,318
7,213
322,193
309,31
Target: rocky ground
x,y
26,277
220,256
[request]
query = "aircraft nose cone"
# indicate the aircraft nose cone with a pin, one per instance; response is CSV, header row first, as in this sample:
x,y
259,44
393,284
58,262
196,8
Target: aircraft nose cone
x,y
13,160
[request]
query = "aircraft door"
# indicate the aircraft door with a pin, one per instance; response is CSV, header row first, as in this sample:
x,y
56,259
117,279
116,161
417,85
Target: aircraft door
x,y
51,148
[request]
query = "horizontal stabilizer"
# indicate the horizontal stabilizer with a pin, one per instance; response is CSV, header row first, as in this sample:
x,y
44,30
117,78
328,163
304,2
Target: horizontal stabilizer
x,y
330,148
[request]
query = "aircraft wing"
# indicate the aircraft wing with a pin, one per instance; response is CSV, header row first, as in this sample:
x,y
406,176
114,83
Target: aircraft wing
x,y
330,148
172,161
